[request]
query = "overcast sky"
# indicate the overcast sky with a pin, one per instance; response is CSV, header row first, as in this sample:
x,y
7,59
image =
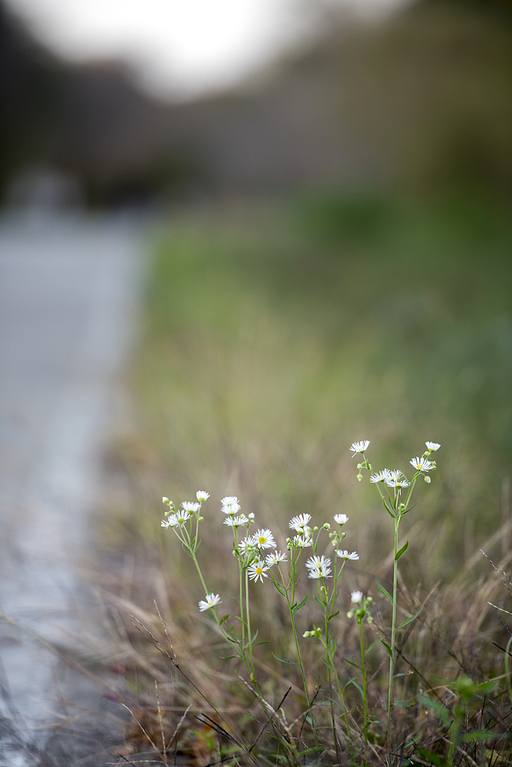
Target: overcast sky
x,y
181,47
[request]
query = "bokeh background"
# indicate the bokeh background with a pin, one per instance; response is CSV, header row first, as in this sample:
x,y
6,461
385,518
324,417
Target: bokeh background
x,y
331,253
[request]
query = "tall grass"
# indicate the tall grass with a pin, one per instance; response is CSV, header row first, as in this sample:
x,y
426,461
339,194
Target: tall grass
x,y
274,337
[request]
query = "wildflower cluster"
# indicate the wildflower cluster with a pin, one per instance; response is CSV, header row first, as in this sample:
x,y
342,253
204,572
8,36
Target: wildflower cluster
x,y
259,561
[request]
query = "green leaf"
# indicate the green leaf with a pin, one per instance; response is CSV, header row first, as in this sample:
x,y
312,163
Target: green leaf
x,y
374,644
280,589
353,664
358,686
409,620
402,551
383,590
283,660
297,607
224,618
388,648
482,735
486,687
438,707
404,703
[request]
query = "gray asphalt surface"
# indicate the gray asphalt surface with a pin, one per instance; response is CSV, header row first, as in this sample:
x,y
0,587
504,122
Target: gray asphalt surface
x,y
68,296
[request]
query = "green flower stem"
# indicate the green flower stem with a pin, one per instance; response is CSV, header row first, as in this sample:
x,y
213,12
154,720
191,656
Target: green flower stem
x,y
393,631
194,559
365,696
248,618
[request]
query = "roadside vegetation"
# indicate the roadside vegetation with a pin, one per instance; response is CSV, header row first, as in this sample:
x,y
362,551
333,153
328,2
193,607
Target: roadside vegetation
x,y
275,335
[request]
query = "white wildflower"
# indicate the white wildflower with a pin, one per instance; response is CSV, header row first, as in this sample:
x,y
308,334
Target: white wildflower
x,y
258,570
178,519
275,558
319,567
210,600
422,464
432,446
299,522
202,496
229,499
236,521
190,506
344,554
379,476
359,447
264,539
341,519
231,508
356,597
302,541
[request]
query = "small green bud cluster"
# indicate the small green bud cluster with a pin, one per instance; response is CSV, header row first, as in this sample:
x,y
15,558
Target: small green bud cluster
x,y
359,609
314,633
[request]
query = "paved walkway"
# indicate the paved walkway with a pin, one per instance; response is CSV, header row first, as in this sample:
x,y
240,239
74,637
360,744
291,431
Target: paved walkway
x,y
68,290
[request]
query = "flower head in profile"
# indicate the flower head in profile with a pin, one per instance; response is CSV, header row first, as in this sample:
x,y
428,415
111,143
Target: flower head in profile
x,y
319,567
380,476
275,558
302,541
300,522
190,506
341,519
230,505
178,519
236,521
344,554
432,446
202,496
264,539
359,447
258,570
210,600
422,463
356,597
229,499
246,546
396,478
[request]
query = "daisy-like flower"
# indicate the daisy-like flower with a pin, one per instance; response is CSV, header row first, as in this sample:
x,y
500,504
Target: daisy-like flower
x,y
258,570
275,558
165,523
319,567
202,496
264,539
379,476
165,499
299,522
432,446
396,478
178,519
190,506
359,447
302,541
210,600
422,464
236,521
341,519
344,554
229,499
246,545
231,509
356,597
